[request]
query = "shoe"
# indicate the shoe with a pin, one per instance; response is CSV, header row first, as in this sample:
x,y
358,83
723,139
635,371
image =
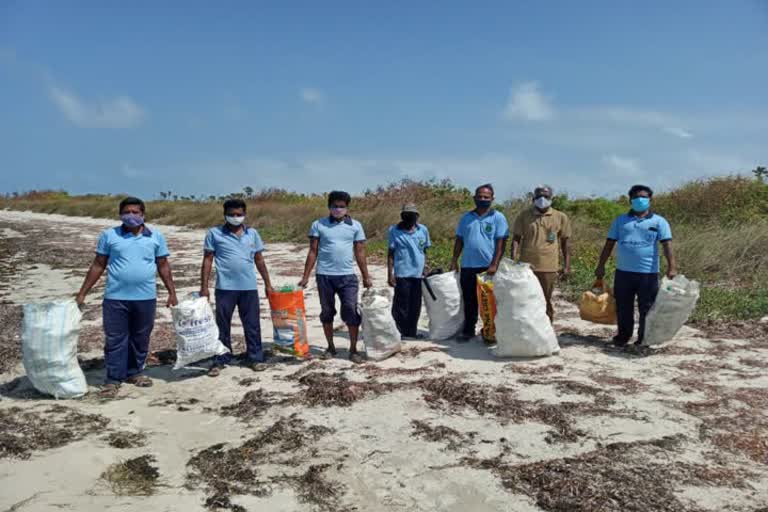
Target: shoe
x,y
356,358
257,367
329,353
619,342
140,381
215,370
109,391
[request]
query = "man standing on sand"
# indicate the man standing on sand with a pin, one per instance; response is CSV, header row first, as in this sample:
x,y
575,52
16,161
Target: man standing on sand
x,y
537,234
235,248
335,243
481,236
132,254
408,244
638,234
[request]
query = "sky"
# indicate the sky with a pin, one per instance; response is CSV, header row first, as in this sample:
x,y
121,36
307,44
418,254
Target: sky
x,y
206,98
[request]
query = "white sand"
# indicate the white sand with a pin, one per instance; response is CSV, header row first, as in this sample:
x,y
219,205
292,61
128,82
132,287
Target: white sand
x,y
383,468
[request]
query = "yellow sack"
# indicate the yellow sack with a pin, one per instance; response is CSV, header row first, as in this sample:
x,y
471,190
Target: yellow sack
x,y
487,302
598,305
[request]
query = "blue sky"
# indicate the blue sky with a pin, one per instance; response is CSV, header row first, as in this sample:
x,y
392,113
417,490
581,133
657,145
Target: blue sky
x,y
208,97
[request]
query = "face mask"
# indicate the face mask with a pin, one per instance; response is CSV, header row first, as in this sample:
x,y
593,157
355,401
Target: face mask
x,y
483,203
234,221
640,204
409,218
338,213
542,203
132,220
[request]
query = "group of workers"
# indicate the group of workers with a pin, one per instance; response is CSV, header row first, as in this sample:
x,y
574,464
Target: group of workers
x,y
133,254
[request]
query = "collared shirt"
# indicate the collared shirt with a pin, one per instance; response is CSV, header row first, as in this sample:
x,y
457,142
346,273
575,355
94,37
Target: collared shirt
x,y
233,256
479,235
637,239
336,253
132,262
408,249
540,235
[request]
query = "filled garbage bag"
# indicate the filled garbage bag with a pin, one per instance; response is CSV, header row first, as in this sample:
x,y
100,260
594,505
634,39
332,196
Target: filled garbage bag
x,y
674,304
49,348
197,336
446,309
289,321
487,306
380,334
598,305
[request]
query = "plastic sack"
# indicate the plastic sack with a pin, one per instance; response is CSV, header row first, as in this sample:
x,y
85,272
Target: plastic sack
x,y
487,306
49,348
197,336
674,304
289,321
446,309
380,334
523,328
598,305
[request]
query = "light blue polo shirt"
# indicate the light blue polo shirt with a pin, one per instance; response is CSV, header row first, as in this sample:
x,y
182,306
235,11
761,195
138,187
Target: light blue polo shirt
x,y
336,253
479,235
408,248
638,240
132,263
233,256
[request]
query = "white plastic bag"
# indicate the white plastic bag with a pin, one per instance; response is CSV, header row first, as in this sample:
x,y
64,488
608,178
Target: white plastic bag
x,y
49,348
446,310
380,334
522,326
674,304
197,336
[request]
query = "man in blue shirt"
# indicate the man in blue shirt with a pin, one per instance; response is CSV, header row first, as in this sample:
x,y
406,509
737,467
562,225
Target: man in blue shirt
x,y
638,234
335,243
132,254
235,248
408,244
482,236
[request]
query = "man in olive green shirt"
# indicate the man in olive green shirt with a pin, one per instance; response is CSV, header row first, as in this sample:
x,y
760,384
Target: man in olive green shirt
x,y
537,234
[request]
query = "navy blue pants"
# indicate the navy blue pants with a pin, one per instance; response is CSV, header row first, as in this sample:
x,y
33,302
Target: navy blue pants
x,y
626,287
469,294
406,306
128,325
346,287
247,302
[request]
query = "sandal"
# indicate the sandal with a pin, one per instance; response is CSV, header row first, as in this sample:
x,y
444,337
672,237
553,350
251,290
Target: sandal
x,y
257,367
328,354
109,391
140,381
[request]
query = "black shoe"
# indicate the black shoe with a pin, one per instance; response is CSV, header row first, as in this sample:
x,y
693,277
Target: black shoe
x,y
464,338
620,342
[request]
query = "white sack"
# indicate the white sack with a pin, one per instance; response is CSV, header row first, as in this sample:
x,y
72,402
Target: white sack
x,y
674,304
380,334
197,336
446,313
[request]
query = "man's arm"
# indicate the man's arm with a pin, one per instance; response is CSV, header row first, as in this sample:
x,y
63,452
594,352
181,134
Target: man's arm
x,y
458,246
607,250
261,266
205,274
314,244
670,256
565,248
92,277
391,268
501,245
516,239
164,269
362,262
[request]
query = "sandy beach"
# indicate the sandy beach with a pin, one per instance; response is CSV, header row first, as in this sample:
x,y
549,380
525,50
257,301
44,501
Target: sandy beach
x,y
440,427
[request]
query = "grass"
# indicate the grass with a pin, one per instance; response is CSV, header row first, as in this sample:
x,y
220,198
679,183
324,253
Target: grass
x,y
720,227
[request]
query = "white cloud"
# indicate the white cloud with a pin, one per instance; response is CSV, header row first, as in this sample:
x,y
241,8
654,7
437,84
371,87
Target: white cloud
x,y
312,96
119,112
527,103
623,165
635,117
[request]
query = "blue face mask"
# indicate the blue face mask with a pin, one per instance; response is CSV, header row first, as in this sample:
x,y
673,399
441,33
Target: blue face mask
x,y
132,220
640,204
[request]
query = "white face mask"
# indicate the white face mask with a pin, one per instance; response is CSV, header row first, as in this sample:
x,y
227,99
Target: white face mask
x,y
542,203
234,221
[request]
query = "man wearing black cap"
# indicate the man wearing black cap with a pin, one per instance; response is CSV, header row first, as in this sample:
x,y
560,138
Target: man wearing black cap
x,y
408,243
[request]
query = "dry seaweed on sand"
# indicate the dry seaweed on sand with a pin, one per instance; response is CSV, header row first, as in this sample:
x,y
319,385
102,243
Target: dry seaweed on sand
x,y
133,477
566,386
25,431
181,404
235,471
453,439
10,336
122,439
326,389
313,488
416,351
375,370
619,477
305,369
533,369
253,404
627,384
247,381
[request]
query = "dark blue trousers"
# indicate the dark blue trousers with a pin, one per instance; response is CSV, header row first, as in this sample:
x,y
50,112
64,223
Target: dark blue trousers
x,y
406,306
626,287
247,302
469,294
128,325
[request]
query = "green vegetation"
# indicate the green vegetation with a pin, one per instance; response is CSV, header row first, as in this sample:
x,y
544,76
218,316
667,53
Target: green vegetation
x,y
720,227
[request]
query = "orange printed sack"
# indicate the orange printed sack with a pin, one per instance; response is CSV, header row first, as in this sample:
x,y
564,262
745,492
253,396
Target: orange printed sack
x,y
487,302
289,321
598,305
